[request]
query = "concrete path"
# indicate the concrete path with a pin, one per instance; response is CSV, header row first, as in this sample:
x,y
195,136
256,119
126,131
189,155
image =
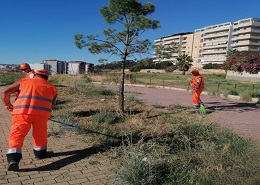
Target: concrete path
x,y
72,161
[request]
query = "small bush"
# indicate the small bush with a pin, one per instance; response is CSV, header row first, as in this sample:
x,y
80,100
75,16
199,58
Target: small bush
x,y
246,96
212,66
233,92
133,98
106,117
255,94
142,166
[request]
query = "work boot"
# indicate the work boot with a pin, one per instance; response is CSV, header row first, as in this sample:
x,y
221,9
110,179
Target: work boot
x,y
196,106
13,160
13,166
40,154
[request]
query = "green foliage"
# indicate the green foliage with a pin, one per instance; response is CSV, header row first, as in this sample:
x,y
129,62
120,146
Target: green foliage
x,y
106,117
255,94
10,78
212,66
90,90
116,65
133,98
233,92
87,79
133,19
184,62
163,51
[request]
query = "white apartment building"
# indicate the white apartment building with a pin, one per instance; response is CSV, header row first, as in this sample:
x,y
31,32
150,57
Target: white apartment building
x,y
211,44
179,39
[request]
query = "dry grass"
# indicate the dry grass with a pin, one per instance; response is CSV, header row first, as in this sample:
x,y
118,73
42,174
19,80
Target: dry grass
x,y
195,150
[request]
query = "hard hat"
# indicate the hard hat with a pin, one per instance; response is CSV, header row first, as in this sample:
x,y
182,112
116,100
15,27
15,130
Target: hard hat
x,y
195,71
41,72
23,66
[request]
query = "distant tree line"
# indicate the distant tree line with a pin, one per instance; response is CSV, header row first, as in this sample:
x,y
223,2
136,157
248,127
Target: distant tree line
x,y
134,66
248,61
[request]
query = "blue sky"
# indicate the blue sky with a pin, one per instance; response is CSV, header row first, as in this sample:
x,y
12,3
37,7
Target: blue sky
x,y
33,30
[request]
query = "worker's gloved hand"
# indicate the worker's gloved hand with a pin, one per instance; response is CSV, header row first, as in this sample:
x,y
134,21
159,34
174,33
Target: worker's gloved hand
x,y
9,107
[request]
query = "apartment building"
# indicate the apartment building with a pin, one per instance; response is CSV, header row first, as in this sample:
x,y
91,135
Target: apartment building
x,y
211,44
180,40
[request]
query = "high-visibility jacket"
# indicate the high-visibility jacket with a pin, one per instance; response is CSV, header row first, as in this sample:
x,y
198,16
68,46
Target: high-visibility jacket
x,y
197,83
30,74
35,97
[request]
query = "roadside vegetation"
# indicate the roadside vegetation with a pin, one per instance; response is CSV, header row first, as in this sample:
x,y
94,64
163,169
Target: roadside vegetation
x,y
153,144
215,84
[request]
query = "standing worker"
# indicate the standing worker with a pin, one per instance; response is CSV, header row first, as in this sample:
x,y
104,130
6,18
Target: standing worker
x,y
32,108
27,69
197,84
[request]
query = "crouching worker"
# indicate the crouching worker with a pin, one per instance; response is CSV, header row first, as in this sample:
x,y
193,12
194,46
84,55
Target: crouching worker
x,y
31,109
197,85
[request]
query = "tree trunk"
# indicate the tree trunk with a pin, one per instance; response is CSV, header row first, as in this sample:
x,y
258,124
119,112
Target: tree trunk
x,y
121,88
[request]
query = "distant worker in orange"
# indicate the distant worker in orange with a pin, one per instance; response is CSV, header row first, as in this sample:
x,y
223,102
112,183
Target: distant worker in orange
x,y
27,69
197,84
31,109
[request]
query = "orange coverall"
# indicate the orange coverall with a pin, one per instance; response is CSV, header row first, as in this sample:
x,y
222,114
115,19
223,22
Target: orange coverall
x,y
32,108
197,84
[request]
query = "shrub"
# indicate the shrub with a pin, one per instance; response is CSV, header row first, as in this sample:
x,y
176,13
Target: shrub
x,y
212,66
142,166
170,69
106,117
233,92
251,67
255,94
10,78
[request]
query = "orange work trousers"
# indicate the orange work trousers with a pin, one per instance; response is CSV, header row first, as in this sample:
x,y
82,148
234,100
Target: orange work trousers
x,y
196,97
21,125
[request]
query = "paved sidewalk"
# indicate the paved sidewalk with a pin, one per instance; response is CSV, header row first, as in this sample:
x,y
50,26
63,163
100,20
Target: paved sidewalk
x,y
72,161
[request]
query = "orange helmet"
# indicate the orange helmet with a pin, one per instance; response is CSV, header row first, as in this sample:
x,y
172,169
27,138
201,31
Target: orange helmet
x,y
23,66
41,72
195,71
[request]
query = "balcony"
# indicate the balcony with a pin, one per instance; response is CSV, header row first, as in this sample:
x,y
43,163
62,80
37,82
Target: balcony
x,y
246,24
215,35
215,46
245,37
245,43
216,40
213,52
219,28
248,30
